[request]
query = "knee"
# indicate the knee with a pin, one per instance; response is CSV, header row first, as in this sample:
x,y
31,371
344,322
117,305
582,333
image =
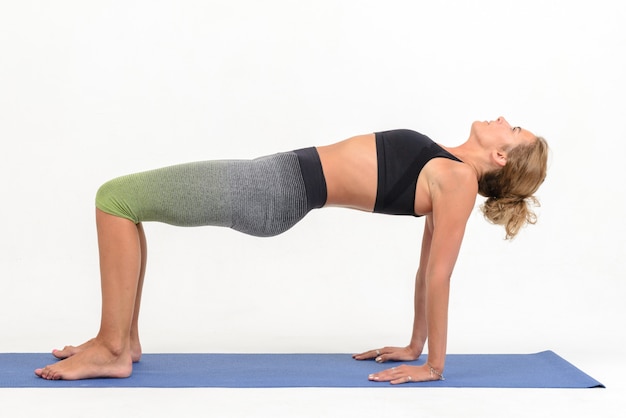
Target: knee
x,y
112,199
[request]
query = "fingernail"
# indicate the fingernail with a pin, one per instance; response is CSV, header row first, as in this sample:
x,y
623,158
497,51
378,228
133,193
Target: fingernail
x,y
379,359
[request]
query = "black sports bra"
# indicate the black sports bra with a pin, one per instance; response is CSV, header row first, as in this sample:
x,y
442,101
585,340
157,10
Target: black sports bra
x,y
401,156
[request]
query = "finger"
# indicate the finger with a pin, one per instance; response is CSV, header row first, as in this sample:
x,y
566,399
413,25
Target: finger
x,y
389,356
380,377
401,380
384,354
386,375
367,355
400,375
383,358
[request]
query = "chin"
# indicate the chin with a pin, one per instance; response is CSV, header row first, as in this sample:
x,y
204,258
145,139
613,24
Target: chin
x,y
477,124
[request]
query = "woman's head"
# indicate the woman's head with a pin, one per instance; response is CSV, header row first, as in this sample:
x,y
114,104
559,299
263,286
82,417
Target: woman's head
x,y
509,190
499,137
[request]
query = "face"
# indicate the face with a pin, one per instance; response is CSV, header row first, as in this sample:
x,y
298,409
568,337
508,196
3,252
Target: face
x,y
500,134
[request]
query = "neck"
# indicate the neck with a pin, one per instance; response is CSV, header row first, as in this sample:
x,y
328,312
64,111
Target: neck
x,y
472,155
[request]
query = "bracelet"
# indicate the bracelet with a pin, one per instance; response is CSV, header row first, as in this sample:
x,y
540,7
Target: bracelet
x,y
434,372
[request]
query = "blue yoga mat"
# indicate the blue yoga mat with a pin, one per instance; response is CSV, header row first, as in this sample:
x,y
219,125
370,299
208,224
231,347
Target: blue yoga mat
x,y
540,370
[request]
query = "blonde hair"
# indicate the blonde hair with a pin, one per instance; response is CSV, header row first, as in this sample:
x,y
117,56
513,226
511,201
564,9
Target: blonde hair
x,y
509,190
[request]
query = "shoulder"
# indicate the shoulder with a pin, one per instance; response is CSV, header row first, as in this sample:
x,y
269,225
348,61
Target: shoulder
x,y
447,176
453,189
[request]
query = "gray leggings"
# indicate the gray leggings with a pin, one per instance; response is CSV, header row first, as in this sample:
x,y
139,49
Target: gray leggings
x,y
261,197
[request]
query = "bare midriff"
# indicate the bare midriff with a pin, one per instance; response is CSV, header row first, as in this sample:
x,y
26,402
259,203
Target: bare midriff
x,y
351,172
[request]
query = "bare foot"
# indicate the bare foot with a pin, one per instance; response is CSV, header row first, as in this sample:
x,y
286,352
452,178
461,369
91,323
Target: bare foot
x,y
96,360
70,350
135,349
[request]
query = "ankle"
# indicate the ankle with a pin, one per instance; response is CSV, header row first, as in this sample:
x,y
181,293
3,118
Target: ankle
x,y
117,347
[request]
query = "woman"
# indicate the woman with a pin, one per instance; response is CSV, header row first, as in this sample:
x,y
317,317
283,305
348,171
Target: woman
x,y
396,172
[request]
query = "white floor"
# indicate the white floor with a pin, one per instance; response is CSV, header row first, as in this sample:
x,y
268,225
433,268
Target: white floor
x,y
391,402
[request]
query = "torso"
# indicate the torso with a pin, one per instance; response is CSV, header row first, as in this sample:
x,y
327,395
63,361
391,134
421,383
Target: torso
x,y
351,171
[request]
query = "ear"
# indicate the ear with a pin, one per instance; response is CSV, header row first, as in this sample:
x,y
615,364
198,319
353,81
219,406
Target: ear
x,y
499,157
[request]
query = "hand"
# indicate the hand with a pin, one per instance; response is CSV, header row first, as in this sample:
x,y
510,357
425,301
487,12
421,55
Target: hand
x,y
406,374
389,354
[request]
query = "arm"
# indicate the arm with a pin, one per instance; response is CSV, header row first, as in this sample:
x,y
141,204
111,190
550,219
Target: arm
x,y
420,326
453,198
453,201
420,330
448,227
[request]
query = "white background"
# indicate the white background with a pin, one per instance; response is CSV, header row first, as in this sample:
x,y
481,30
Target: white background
x,y
93,90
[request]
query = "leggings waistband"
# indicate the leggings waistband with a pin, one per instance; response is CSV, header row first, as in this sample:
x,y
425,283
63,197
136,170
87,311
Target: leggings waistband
x,y
313,176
